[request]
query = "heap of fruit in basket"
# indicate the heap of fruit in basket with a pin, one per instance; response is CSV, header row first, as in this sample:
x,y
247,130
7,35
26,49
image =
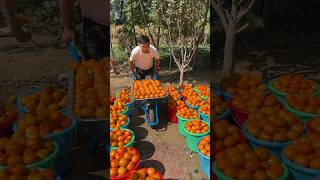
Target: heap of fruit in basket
x,y
24,148
50,97
304,103
148,89
44,123
117,120
120,137
123,160
117,108
203,90
314,126
8,114
243,82
279,126
197,126
173,92
295,84
23,173
187,90
124,96
205,109
176,104
204,146
253,101
243,163
219,106
195,100
188,113
90,90
226,135
304,152
145,174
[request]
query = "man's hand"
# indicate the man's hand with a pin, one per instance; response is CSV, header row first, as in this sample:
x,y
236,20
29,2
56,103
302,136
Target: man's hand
x,y
68,35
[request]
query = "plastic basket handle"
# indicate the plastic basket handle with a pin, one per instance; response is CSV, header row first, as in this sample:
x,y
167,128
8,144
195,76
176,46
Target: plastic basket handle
x,y
74,52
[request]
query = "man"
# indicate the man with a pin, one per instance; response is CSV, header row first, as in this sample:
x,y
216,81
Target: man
x,y
95,26
142,59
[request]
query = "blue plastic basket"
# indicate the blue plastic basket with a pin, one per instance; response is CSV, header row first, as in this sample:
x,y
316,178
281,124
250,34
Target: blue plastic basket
x,y
130,107
181,123
192,139
274,147
204,117
224,115
193,107
64,163
23,109
204,161
299,172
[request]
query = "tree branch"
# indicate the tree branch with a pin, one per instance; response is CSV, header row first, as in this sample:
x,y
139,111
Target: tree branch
x,y
244,10
242,28
220,11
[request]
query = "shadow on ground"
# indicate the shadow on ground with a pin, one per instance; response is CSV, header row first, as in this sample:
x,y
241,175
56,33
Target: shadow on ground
x,y
145,148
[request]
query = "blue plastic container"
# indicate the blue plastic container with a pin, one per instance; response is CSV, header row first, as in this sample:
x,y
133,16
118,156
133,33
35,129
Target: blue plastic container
x,y
204,117
192,139
130,107
299,172
204,161
181,123
23,109
224,115
125,126
274,147
64,163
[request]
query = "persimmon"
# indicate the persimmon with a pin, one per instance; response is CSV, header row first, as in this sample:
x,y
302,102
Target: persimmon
x,y
145,174
117,136
145,89
173,92
123,160
117,120
204,146
188,113
197,126
304,102
295,84
203,90
251,164
275,127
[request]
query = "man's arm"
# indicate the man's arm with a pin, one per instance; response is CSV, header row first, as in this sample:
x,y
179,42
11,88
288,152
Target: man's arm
x,y
66,11
157,64
131,66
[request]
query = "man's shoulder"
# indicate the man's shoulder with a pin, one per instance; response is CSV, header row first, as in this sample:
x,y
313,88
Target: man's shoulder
x,y
135,50
153,48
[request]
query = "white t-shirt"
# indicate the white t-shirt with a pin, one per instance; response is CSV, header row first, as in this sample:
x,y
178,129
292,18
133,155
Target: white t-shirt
x,y
142,60
97,10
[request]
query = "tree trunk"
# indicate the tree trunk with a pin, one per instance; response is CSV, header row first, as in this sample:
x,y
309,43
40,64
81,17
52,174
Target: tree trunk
x,y
194,60
181,76
228,64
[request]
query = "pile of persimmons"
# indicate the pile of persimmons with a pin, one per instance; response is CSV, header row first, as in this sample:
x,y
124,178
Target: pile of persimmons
x,y
90,90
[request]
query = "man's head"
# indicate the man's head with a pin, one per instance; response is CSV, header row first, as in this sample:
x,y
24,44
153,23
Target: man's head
x,y
144,43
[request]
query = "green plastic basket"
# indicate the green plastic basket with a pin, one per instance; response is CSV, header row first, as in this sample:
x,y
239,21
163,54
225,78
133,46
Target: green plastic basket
x,y
192,139
181,122
221,176
130,144
45,163
305,117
